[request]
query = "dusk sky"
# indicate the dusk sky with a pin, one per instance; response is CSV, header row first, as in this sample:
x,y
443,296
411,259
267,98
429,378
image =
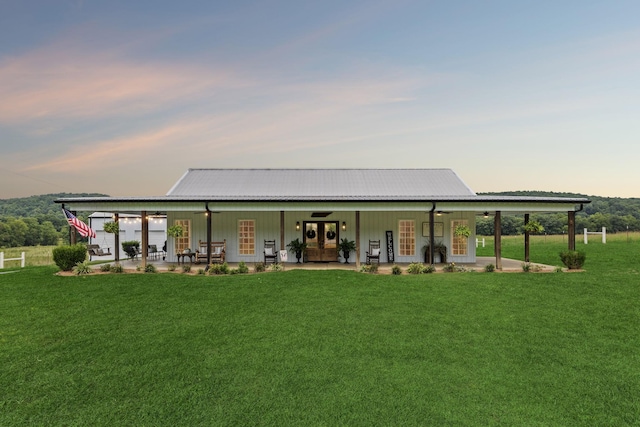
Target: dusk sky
x,y
122,97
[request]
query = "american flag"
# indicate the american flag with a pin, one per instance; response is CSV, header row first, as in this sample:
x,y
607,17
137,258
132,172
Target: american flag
x,y
82,228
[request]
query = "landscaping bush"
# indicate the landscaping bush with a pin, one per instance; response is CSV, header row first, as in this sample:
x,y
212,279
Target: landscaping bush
x,y
396,270
259,267
186,268
489,268
574,260
117,268
150,268
369,268
105,268
416,268
242,268
82,268
66,257
276,267
219,268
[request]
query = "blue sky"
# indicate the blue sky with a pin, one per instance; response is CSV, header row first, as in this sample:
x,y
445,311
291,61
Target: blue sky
x,y
122,97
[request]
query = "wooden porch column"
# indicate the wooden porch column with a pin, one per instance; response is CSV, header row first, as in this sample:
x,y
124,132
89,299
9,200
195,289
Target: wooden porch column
x,y
145,238
73,237
571,230
281,230
526,238
497,233
432,239
116,238
358,240
209,228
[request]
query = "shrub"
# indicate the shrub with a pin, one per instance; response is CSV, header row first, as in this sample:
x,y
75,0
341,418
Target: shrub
x,y
82,268
453,268
558,269
574,260
276,267
150,268
186,268
172,267
369,268
259,267
242,268
416,268
429,269
219,268
66,257
117,268
528,267
396,270
105,268
489,268
201,272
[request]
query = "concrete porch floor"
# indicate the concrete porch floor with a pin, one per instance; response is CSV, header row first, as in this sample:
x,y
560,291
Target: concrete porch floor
x,y
508,265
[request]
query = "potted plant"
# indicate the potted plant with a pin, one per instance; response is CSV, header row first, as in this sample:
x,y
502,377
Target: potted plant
x,y
111,227
297,247
346,246
533,227
462,231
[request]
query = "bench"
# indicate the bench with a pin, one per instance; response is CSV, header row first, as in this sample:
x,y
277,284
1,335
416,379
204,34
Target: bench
x,y
218,250
96,250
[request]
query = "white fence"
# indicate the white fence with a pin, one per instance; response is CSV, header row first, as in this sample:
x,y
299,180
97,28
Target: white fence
x,y
3,259
603,232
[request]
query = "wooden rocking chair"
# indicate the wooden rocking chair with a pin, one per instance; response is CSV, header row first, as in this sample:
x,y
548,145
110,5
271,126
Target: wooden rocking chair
x,y
270,252
374,251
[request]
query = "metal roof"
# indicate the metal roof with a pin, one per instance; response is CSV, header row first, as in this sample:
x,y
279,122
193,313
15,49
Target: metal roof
x,y
320,184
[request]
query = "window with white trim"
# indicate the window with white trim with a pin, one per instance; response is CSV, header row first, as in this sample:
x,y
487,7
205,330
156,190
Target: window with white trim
x,y
246,237
406,237
183,241
459,244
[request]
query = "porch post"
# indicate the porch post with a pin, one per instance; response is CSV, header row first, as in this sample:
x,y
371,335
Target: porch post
x,y
281,230
571,230
73,238
209,228
145,238
358,240
497,225
526,238
116,238
432,238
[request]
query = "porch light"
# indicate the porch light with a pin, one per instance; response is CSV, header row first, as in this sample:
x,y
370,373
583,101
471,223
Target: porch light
x,y
486,214
439,213
297,225
344,226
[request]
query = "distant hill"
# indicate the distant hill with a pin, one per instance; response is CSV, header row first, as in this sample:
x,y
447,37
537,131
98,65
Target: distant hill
x,y
614,213
35,206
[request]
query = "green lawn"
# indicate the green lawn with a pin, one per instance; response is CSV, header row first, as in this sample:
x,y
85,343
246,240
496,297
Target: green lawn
x,y
326,347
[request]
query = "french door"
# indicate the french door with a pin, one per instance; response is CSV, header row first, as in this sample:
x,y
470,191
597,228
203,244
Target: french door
x,y
322,241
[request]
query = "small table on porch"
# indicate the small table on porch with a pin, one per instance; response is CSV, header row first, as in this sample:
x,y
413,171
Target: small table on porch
x,y
182,256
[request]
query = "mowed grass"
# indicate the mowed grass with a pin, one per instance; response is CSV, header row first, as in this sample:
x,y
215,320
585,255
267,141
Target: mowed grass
x,y
326,347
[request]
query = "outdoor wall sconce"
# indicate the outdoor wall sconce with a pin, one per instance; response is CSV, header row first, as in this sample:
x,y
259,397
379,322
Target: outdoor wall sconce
x,y
344,226
439,213
486,214
297,225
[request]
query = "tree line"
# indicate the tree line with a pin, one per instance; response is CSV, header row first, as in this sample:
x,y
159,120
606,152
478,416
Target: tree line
x,y
35,220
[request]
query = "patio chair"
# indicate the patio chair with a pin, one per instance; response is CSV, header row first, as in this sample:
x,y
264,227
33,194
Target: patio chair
x,y
374,251
270,252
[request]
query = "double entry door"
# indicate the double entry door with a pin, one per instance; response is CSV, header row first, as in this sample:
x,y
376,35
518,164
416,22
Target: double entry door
x,y
321,238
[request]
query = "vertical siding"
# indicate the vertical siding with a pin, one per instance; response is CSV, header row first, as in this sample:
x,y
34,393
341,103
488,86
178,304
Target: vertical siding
x,y
373,226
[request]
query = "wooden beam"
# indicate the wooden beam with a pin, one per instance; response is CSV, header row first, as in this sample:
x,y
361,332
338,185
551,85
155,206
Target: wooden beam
x,y
145,238
116,238
209,229
571,230
358,240
282,230
526,238
497,225
432,238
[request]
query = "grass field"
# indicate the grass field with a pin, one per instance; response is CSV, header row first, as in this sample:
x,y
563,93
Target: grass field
x,y
327,347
